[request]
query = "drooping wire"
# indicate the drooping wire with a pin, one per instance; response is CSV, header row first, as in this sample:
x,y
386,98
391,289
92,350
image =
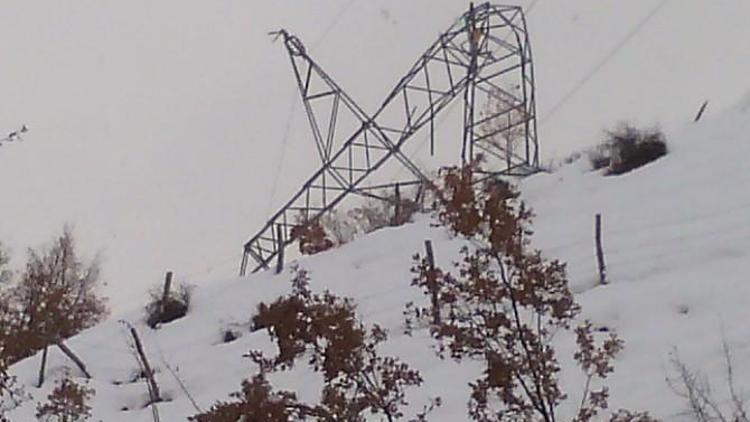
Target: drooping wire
x,y
338,17
600,65
284,142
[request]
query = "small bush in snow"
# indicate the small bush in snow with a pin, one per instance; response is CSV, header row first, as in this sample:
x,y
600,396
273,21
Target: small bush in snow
x,y
323,330
502,306
627,148
312,238
161,310
68,402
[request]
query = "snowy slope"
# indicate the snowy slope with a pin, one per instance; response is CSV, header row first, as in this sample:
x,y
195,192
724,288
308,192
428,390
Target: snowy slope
x,y
157,128
676,239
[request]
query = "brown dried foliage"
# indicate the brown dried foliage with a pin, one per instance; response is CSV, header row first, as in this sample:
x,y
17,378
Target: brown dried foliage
x,y
53,300
323,330
502,305
256,402
68,402
312,238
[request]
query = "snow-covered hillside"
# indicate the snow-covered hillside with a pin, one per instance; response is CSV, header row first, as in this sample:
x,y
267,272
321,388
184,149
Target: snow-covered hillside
x,y
677,242
157,128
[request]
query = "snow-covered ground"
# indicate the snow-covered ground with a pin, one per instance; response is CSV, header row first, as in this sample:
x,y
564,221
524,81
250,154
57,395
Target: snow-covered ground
x,y
677,243
156,128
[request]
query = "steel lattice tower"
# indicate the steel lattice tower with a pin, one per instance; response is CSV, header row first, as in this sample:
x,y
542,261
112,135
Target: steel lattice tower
x,y
485,54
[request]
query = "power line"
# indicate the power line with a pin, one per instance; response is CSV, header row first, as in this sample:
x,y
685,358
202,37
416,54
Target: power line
x,y
619,46
531,7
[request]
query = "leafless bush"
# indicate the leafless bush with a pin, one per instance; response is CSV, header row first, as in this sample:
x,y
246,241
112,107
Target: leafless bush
x,y
696,390
503,305
68,402
323,329
161,310
626,148
338,228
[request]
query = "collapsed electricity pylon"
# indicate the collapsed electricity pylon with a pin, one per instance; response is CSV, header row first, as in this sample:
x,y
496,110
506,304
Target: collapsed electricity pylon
x,y
486,54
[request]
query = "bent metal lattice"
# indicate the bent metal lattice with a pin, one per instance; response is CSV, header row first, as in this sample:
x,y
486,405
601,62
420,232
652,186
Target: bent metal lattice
x,y
483,58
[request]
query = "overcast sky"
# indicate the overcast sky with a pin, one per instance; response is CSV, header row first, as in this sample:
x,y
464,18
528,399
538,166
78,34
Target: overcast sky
x,y
156,126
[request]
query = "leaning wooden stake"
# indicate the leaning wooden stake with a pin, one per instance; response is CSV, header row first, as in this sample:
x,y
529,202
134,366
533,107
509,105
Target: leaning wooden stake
x,y
153,388
600,251
42,368
701,111
432,282
69,353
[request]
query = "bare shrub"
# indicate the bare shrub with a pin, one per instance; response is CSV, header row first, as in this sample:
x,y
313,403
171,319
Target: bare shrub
x,y
68,402
626,148
161,310
340,228
503,305
599,157
372,215
695,388
336,228
324,329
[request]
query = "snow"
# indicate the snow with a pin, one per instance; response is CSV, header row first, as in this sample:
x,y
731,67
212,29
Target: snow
x,y
156,130
676,241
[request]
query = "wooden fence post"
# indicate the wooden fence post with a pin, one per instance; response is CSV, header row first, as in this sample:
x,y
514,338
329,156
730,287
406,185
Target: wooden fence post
x,y
599,250
165,293
279,249
432,283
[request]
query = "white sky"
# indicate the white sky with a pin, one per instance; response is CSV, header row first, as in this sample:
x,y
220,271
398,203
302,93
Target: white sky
x,y
156,127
